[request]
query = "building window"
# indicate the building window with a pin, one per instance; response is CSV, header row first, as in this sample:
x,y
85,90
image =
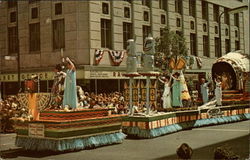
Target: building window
x,y
178,6
236,33
105,8
58,8
193,44
204,10
126,12
236,19
216,29
12,3
146,16
192,25
145,2
34,13
217,46
163,19
205,46
178,22
192,8
163,4
127,33
226,32
146,30
12,17
13,40
35,37
216,12
227,45
237,45
58,34
204,27
106,33
226,16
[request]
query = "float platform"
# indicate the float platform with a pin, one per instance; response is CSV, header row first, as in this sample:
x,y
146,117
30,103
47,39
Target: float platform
x,y
74,130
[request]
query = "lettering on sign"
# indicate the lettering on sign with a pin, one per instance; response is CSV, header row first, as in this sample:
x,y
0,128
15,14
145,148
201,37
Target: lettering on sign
x,y
214,112
24,76
104,74
98,74
36,130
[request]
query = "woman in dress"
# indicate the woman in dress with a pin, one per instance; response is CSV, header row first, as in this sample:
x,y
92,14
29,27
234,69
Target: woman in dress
x,y
70,95
185,96
176,96
167,93
218,91
204,90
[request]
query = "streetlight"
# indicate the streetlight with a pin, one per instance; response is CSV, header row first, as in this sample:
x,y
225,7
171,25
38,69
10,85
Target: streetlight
x,y
230,11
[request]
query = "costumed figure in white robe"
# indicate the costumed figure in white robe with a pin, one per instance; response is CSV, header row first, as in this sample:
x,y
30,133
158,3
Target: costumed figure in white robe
x,y
218,91
240,82
166,97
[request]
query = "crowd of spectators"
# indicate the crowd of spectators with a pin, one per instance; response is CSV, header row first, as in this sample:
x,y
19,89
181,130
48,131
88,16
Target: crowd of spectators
x,y
9,108
113,100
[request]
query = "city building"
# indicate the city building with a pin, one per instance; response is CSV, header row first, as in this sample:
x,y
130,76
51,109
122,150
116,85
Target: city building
x,y
94,34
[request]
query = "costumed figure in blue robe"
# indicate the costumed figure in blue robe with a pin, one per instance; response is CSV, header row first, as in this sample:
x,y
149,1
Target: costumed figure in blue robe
x,y
204,90
70,95
176,90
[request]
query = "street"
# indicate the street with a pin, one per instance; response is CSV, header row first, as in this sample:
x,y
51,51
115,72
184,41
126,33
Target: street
x,y
202,140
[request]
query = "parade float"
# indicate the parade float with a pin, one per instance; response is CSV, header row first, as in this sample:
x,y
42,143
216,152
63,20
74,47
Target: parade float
x,y
46,127
235,103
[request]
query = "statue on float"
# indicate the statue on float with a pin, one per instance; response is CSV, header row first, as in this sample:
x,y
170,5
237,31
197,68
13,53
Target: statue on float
x,y
149,52
131,59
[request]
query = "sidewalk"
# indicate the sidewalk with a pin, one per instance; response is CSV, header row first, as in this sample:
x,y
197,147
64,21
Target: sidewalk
x,y
7,141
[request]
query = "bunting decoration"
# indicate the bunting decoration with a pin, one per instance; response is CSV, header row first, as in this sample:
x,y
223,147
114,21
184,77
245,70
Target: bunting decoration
x,y
98,55
116,57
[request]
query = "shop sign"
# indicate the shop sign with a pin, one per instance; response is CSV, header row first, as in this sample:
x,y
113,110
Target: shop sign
x,y
23,76
36,130
103,75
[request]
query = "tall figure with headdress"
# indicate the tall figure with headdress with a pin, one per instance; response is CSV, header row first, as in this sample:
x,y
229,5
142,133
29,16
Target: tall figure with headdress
x,y
70,95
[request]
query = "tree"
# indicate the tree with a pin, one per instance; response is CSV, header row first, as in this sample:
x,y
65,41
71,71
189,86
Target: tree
x,y
169,45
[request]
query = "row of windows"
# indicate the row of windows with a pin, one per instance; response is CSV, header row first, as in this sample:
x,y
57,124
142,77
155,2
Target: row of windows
x,y
58,29
34,36
178,9
217,47
34,12
162,4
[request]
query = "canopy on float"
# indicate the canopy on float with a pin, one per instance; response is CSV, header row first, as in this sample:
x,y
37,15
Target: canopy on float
x,y
231,65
